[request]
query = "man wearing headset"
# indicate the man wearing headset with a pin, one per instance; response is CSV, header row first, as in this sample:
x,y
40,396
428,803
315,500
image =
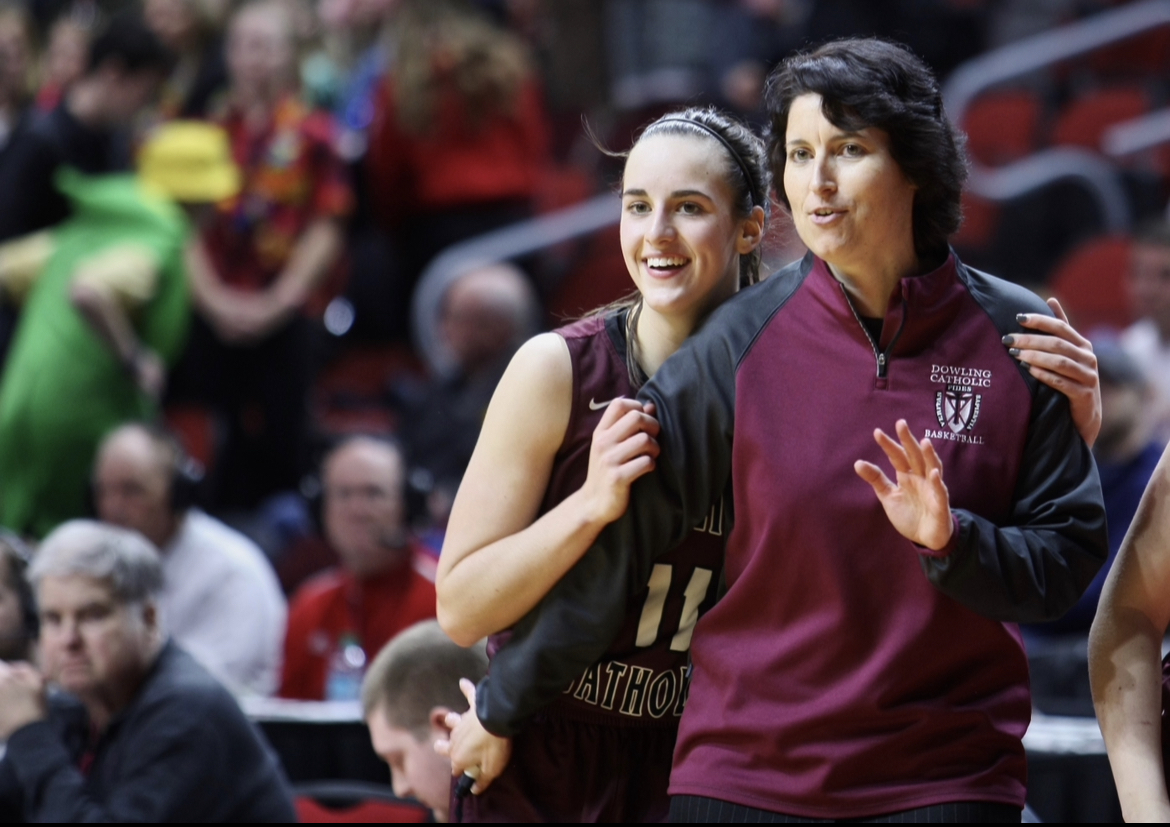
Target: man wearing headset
x,y
220,599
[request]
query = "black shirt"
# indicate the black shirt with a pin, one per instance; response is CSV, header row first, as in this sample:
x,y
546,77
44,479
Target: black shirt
x,y
29,199
181,751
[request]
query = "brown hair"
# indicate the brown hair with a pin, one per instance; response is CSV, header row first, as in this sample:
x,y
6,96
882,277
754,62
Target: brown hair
x,y
448,44
750,179
415,672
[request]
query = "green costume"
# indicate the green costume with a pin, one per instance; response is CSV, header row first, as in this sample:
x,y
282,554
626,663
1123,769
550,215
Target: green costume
x,y
63,389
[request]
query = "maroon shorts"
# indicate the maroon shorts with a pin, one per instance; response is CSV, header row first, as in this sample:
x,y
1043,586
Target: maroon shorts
x,y
567,771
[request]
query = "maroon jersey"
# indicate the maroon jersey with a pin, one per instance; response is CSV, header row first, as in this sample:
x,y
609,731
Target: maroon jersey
x,y
642,678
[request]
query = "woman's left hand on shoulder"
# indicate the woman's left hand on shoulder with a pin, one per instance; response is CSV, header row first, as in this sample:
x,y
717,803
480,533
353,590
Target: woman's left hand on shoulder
x,y
917,503
1063,359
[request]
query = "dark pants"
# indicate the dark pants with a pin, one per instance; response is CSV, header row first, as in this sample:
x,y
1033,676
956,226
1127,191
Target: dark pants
x,y
697,808
261,393
567,771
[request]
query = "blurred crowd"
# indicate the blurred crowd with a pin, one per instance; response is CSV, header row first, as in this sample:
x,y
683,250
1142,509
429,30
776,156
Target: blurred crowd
x,y
214,216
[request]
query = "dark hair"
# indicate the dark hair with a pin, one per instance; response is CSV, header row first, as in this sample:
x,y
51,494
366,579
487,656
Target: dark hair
x,y
130,43
14,560
866,82
415,672
747,165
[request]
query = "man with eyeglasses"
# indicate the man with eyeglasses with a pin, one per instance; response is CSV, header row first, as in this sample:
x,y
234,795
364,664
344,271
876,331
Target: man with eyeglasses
x,y
342,617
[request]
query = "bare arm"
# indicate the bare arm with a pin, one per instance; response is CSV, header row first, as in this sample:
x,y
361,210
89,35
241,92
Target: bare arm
x,y
498,560
1125,654
308,264
111,324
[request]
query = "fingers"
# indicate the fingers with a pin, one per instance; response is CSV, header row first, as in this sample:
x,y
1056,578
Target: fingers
x,y
893,450
1028,348
873,475
616,409
911,447
1060,374
468,690
933,461
1054,306
632,423
1059,328
905,454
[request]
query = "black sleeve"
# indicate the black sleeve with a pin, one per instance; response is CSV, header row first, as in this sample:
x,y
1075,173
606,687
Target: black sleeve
x,y
11,808
694,392
29,200
1035,567
166,764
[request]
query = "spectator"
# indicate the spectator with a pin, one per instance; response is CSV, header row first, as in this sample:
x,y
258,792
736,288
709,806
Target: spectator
x,y
1148,339
410,688
64,58
108,309
460,136
220,599
18,610
187,29
17,54
486,316
260,259
346,72
342,615
126,64
150,735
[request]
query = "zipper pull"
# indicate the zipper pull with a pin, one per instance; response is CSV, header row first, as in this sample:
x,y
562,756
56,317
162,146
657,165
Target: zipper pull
x,y
881,366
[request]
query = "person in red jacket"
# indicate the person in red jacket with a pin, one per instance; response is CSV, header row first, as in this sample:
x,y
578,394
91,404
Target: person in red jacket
x,y
343,616
460,137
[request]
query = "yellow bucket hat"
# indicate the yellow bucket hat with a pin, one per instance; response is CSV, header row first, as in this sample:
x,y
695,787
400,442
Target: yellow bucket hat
x,y
189,161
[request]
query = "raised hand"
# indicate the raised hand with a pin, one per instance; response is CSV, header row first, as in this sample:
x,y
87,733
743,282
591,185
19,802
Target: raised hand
x,y
917,503
624,448
472,749
1063,359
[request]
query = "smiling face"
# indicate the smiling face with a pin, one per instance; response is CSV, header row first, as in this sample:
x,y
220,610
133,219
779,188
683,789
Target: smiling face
x,y
680,237
851,202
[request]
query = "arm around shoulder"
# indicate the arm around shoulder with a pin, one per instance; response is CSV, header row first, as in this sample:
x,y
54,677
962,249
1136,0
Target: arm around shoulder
x,y
1125,655
1036,564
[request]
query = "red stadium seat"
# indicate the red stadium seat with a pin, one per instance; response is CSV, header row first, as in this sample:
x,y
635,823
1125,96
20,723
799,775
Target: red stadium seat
x,y
354,802
1003,126
1084,121
1147,55
1091,284
599,277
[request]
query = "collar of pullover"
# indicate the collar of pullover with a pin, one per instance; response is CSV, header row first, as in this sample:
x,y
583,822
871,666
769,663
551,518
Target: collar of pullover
x,y
919,310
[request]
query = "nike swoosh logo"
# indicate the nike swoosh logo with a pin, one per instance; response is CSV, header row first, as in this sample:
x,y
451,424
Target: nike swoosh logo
x,y
597,406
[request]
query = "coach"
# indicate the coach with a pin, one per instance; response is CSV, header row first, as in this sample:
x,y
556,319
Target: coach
x,y
141,732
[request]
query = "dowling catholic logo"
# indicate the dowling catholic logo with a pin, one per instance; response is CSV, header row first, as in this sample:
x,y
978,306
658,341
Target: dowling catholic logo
x,y
956,406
